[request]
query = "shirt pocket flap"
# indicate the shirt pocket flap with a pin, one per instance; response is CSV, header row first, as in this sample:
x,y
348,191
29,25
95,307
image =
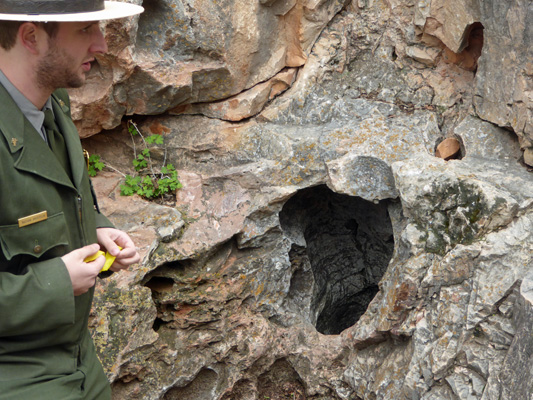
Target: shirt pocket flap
x,y
35,239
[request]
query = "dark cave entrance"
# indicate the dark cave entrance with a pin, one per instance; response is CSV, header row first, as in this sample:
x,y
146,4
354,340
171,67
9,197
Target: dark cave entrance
x,y
342,246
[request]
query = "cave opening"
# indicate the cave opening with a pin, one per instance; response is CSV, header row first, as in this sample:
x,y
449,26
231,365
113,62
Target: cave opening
x,y
341,248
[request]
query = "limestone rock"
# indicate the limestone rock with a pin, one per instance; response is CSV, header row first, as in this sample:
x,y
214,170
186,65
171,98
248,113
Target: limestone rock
x,y
246,104
425,55
329,205
482,139
179,53
528,156
366,177
515,373
447,21
503,80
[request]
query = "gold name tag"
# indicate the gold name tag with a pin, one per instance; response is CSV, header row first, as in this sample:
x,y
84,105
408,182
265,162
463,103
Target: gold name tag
x,y
32,219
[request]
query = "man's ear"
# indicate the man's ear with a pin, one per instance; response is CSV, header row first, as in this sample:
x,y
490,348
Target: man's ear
x,y
31,37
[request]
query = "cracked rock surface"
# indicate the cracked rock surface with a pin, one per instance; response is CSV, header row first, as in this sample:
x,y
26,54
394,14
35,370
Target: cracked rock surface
x,y
318,248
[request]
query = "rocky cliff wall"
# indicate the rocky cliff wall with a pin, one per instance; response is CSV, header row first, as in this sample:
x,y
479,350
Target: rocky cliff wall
x,y
318,248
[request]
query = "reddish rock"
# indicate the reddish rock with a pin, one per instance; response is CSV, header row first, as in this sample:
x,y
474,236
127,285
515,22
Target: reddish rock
x,y
449,148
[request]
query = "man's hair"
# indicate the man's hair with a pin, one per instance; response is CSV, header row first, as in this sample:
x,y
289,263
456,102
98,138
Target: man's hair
x,y
9,30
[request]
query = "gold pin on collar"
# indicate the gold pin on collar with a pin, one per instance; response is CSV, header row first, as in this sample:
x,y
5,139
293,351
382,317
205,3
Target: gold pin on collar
x,y
14,141
63,106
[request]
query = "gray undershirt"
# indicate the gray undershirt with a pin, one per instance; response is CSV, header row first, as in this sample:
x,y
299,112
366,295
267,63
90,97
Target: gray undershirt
x,y
32,114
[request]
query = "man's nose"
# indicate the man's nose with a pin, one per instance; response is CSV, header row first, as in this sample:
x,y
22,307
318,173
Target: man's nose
x,y
99,45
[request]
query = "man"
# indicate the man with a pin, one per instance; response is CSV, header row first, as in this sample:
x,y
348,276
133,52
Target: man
x,y
49,219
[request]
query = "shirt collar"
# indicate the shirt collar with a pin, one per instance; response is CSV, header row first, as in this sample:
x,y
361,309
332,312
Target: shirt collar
x,y
32,114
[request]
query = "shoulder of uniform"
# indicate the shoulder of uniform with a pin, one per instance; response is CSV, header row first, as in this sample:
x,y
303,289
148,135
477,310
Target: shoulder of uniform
x,y
62,97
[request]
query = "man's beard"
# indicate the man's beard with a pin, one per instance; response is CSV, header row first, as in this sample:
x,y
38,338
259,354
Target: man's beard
x,y
56,70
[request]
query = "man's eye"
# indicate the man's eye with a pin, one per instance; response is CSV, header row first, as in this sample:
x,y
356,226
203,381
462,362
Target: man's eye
x,y
87,28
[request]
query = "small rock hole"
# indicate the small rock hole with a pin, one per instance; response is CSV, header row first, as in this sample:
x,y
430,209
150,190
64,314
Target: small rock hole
x,y
202,387
158,323
281,381
160,284
471,48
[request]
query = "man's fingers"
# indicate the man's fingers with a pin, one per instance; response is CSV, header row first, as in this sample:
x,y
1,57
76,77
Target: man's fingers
x,y
109,245
83,274
123,245
87,251
97,264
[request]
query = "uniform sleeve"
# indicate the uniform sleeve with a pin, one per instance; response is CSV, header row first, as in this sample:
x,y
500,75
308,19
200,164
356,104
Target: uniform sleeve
x,y
102,221
39,300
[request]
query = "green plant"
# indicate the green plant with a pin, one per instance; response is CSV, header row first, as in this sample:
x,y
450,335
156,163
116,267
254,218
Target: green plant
x,y
149,182
95,165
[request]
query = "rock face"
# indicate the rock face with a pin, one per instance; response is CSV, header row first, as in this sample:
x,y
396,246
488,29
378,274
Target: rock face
x,y
196,51
504,85
320,248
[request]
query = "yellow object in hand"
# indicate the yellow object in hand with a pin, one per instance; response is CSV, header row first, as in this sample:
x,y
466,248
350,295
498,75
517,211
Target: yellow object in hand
x,y
109,259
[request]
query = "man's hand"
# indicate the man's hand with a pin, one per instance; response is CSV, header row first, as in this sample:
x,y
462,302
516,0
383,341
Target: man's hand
x,y
110,239
83,275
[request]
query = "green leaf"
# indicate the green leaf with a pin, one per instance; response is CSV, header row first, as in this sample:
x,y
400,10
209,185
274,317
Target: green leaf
x,y
157,139
126,190
130,186
132,130
176,185
147,180
133,181
140,162
95,165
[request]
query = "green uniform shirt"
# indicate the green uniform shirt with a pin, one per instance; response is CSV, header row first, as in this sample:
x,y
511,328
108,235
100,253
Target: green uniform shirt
x,y
46,351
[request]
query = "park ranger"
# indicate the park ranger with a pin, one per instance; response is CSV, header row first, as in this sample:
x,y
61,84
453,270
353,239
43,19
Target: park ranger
x,y
49,219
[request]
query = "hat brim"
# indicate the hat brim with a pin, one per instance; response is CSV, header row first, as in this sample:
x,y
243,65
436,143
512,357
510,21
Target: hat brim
x,y
112,10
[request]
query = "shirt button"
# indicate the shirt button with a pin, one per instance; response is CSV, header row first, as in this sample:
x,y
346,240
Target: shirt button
x,y
38,249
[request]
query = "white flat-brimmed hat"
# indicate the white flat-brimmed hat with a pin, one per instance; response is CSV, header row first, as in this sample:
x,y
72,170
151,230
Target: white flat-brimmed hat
x,y
65,10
